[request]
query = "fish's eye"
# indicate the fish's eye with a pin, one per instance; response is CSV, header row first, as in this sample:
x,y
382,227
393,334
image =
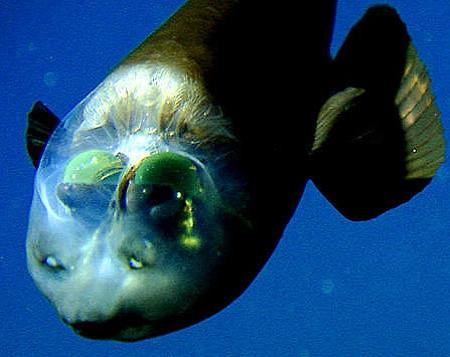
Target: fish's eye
x,y
160,185
93,167
159,194
89,181
79,196
169,169
169,208
160,201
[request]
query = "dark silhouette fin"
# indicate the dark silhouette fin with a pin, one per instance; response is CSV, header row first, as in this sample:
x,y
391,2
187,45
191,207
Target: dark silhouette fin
x,y
41,124
379,139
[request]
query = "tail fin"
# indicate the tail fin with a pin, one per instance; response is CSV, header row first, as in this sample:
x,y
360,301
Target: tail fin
x,y
379,139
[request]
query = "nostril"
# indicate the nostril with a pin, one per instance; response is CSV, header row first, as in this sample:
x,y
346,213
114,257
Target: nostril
x,y
53,263
135,263
138,254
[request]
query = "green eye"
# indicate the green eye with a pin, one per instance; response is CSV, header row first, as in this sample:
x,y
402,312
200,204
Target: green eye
x,y
92,167
169,169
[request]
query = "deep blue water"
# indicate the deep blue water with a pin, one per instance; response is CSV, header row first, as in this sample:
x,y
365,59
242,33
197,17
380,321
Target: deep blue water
x,y
332,288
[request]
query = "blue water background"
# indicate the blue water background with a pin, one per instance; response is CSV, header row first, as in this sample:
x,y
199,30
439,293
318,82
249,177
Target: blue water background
x,y
332,288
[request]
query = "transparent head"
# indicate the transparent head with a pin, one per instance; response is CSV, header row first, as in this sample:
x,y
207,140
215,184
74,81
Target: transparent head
x,y
128,236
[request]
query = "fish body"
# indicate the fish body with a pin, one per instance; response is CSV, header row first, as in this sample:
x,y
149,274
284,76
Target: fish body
x,y
161,195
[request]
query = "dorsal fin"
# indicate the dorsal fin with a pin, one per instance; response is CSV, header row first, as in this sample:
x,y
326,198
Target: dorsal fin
x,y
41,124
379,139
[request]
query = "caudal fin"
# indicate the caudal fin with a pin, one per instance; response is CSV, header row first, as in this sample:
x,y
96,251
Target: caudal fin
x,y
379,139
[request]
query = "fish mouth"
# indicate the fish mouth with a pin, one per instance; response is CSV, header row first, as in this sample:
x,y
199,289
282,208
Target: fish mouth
x,y
127,328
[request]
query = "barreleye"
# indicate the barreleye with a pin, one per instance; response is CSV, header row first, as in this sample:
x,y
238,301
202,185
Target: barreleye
x,y
161,195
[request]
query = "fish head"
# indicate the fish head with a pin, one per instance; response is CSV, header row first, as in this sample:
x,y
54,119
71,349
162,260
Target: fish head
x,y
131,240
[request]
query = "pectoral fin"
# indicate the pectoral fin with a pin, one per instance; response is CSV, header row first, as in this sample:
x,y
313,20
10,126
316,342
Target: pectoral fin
x,y
379,139
41,124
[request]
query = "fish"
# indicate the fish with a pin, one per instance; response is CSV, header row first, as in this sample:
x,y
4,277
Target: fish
x,y
161,195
